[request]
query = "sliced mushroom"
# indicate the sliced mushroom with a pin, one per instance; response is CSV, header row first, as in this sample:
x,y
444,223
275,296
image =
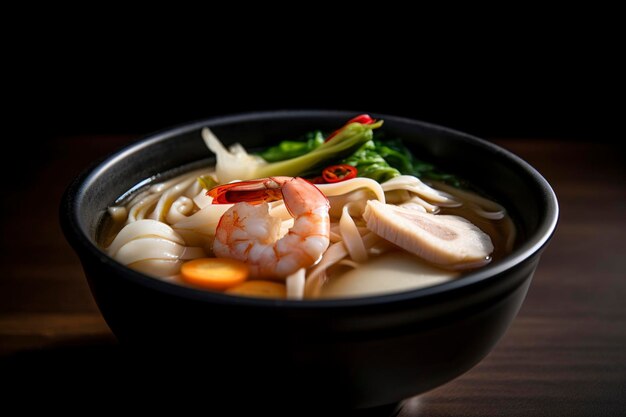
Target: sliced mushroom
x,y
445,240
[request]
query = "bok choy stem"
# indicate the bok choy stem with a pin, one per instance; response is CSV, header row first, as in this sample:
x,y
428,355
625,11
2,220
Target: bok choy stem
x,y
346,141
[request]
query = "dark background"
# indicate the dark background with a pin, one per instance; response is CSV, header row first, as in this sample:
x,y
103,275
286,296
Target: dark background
x,y
565,86
540,103
529,72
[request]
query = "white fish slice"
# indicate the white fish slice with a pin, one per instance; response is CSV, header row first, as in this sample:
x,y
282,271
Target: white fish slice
x,y
445,240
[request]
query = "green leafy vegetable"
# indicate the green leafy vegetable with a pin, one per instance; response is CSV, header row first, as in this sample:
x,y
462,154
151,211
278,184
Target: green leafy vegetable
x,y
400,157
380,160
384,160
235,163
345,142
369,163
288,149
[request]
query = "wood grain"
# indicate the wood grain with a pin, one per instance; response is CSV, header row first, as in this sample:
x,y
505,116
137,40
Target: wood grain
x,y
564,355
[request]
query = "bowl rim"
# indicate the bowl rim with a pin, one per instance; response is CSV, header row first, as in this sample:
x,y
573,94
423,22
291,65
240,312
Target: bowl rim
x,y
78,237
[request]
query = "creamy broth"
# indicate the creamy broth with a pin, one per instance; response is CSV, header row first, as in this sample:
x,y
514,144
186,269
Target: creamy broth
x,y
393,271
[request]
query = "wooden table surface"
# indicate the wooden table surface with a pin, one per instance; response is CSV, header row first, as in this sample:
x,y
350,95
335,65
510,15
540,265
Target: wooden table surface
x,y
564,355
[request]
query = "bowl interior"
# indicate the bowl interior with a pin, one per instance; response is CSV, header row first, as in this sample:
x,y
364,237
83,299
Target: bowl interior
x,y
500,174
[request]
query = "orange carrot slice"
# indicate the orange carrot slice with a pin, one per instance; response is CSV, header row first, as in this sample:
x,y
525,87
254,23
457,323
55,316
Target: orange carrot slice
x,y
259,288
214,273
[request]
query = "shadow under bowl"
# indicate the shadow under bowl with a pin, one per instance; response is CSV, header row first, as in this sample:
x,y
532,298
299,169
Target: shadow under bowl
x,y
352,353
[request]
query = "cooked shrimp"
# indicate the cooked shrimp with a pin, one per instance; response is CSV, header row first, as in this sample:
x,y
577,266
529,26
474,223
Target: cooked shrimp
x,y
247,232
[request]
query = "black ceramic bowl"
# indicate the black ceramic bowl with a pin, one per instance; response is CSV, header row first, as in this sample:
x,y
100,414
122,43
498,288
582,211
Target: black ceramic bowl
x,y
360,353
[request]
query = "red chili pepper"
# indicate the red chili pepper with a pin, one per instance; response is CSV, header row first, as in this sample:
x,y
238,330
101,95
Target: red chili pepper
x,y
338,173
364,119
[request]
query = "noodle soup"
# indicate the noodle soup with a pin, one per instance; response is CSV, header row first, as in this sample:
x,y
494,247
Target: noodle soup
x,y
336,215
